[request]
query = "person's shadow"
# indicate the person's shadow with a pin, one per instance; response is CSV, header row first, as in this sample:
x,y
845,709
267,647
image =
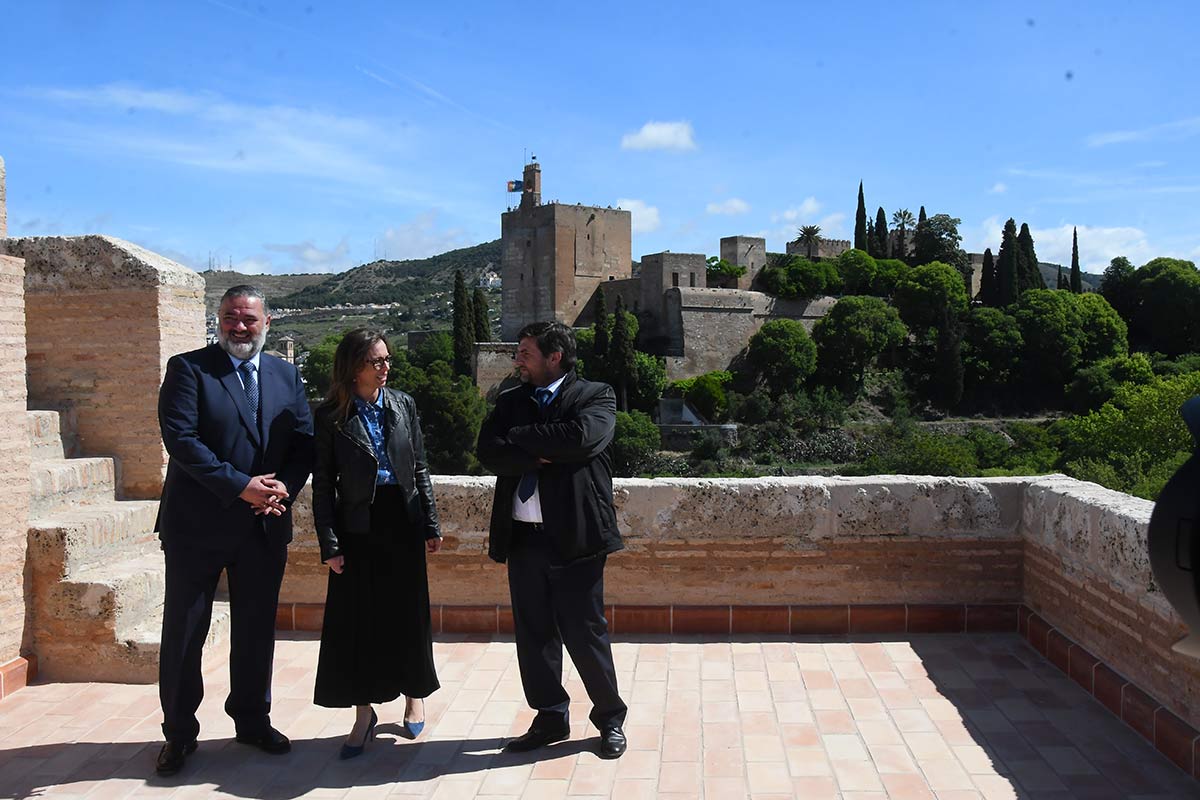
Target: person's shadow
x,y
242,771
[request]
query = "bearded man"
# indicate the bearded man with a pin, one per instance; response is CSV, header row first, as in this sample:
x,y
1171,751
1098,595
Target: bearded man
x,y
237,428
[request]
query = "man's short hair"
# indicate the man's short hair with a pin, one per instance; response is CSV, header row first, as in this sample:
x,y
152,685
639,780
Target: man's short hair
x,y
552,337
246,290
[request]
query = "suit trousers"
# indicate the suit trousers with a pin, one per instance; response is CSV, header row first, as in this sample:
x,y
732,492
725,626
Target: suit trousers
x,y
553,606
254,567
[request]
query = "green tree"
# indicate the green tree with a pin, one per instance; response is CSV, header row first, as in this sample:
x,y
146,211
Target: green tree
x,y
635,440
930,295
854,332
918,235
318,367
859,272
881,234
1105,334
810,237
1062,282
451,412
707,395
646,382
483,326
796,277
436,346
1167,294
989,284
991,357
946,385
888,273
1095,385
721,272
603,326
1118,287
860,222
782,355
1007,267
1052,330
902,220
1076,276
463,326
938,240
1029,274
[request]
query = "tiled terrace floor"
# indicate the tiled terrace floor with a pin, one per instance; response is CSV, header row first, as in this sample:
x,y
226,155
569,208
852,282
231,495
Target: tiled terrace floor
x,y
951,717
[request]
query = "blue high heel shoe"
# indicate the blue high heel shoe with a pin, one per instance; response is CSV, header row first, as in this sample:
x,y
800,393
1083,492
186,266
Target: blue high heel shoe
x,y
413,729
354,751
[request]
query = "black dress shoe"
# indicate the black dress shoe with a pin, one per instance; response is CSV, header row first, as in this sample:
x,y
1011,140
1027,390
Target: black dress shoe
x,y
612,743
173,756
269,741
537,737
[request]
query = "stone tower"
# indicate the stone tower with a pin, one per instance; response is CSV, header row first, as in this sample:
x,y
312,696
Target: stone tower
x,y
555,255
745,251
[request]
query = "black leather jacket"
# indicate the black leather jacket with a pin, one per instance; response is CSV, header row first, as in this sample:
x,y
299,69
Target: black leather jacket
x,y
343,485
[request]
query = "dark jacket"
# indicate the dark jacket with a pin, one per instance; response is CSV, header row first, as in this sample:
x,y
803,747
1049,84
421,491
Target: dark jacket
x,y
575,488
215,447
343,484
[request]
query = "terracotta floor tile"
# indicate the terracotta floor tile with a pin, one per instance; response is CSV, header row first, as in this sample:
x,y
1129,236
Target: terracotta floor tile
x,y
724,788
815,788
680,777
856,776
768,777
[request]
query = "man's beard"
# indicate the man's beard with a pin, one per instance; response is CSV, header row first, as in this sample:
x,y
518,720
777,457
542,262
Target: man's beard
x,y
243,350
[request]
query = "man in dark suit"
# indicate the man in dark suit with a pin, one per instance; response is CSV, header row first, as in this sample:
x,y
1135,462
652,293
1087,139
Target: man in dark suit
x,y
238,430
553,522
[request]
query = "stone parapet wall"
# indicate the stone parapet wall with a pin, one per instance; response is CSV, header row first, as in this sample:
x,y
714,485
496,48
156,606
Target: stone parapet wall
x,y
775,541
15,450
1087,573
103,316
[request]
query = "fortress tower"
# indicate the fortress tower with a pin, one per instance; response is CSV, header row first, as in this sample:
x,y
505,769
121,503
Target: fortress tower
x,y
555,255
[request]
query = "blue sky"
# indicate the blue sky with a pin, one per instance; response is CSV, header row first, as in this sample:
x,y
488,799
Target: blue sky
x,y
315,136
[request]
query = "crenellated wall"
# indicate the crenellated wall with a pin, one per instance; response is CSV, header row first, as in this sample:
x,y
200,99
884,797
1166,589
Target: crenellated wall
x,y
102,318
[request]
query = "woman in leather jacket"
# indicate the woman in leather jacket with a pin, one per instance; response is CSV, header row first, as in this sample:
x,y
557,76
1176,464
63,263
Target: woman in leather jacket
x,y
375,519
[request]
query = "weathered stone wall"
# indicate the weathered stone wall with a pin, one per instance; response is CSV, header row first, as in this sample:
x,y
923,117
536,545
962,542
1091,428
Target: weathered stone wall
x,y
14,459
492,364
102,318
554,256
773,541
1087,573
826,248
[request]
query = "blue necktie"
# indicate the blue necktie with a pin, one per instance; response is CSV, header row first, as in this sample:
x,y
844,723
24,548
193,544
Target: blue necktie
x,y
529,480
250,384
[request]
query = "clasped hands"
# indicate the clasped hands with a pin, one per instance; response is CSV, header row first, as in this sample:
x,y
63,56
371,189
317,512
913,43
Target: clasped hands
x,y
265,494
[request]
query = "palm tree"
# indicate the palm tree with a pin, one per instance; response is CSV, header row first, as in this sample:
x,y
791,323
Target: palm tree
x,y
902,220
810,237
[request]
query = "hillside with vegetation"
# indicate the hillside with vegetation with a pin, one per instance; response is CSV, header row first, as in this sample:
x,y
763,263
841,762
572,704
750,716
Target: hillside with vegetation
x,y
216,281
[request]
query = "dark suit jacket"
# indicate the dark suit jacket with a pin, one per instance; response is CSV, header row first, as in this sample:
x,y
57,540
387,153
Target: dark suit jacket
x,y
346,469
215,448
575,488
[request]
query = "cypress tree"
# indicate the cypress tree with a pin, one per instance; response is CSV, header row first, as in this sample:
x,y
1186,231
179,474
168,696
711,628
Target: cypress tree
x,y
920,240
881,234
948,378
1062,282
989,285
860,222
621,359
483,326
464,326
1029,275
1076,276
603,326
1006,266
872,244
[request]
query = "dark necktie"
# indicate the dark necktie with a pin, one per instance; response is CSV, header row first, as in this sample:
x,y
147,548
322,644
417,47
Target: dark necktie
x,y
250,384
529,480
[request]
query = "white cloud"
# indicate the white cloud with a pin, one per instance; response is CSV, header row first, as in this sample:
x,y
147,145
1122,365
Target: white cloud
x,y
807,209
661,136
207,131
998,188
645,217
1097,246
1167,131
420,238
307,257
732,206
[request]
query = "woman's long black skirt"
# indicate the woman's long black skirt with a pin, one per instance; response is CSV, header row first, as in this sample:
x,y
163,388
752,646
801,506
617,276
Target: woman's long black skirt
x,y
377,640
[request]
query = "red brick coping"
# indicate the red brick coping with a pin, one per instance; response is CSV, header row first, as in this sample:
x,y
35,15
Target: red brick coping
x,y
1169,734
17,674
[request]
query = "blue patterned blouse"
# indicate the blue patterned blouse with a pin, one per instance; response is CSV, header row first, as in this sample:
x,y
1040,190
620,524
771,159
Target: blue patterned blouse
x,y
372,417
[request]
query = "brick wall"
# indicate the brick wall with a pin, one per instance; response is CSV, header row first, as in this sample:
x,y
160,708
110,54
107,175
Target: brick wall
x,y
805,541
1087,573
103,316
14,459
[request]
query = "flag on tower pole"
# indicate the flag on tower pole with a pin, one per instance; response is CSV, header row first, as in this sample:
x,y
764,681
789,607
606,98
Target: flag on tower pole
x,y
516,186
